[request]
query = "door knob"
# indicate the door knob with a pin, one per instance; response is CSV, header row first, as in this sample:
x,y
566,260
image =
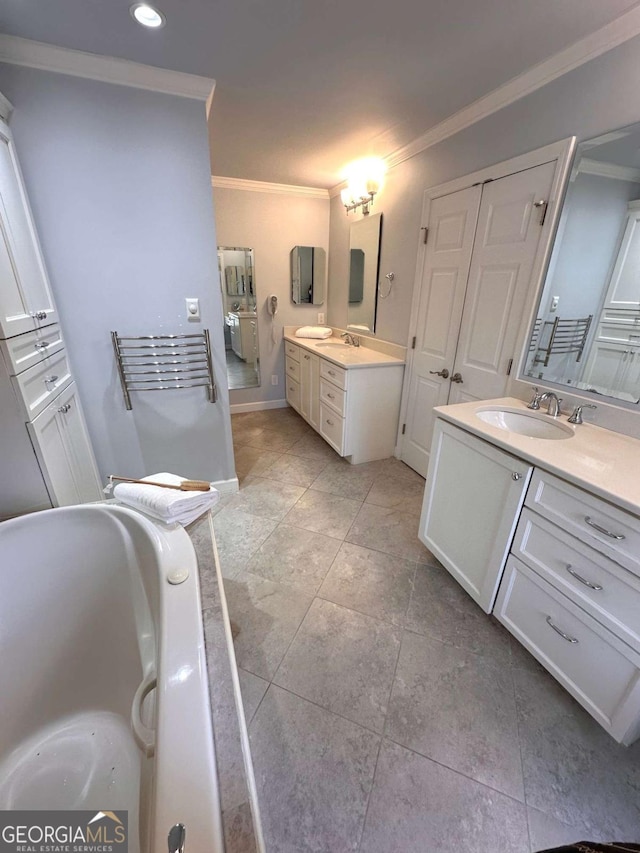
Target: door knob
x,y
457,378
444,373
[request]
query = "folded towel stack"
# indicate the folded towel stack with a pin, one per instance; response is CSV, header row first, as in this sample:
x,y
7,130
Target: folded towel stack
x,y
313,332
166,505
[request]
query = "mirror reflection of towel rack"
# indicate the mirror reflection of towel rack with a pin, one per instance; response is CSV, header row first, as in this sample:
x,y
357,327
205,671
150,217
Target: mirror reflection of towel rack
x,y
164,363
555,337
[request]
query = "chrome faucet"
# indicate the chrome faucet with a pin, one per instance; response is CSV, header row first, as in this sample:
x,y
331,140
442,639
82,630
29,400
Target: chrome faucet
x,y
350,340
534,403
576,416
553,403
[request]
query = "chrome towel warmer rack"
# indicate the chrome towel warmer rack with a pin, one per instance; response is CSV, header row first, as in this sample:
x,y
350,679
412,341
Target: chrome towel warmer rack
x,y
164,363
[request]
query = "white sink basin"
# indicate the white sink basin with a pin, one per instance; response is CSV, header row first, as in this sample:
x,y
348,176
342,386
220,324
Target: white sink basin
x,y
334,346
525,423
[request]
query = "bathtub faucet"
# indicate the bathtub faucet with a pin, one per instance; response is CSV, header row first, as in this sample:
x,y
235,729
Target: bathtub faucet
x,y
177,835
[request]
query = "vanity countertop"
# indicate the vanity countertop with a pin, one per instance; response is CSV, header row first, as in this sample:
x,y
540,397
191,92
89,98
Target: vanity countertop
x,y
604,462
345,356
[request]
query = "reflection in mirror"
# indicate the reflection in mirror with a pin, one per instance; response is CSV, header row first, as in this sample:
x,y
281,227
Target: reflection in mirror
x,y
364,265
240,318
308,271
587,328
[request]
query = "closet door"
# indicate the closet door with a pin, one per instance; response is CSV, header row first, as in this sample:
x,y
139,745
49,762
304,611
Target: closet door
x,y
504,253
452,226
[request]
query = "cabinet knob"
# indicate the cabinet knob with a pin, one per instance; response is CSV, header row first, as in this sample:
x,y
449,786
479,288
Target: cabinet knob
x,y
307,357
39,315
516,476
64,409
329,422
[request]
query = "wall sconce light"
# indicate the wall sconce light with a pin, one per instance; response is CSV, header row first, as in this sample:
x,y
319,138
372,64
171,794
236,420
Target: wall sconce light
x,y
364,180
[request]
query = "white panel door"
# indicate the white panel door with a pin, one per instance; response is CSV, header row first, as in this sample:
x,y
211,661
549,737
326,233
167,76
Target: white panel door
x,y
504,252
624,290
25,288
472,500
452,226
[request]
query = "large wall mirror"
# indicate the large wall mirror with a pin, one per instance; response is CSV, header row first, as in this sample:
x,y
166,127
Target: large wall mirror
x,y
364,266
308,274
237,282
587,328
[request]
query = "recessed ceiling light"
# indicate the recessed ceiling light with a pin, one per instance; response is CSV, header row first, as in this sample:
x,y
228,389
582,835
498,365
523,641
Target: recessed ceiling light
x,y
147,16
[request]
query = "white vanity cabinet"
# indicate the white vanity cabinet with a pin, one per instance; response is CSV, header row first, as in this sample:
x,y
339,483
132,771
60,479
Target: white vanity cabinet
x,y
473,495
565,562
46,444
355,409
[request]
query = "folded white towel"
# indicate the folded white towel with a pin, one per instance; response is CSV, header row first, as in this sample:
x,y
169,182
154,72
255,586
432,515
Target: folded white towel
x,y
166,505
313,332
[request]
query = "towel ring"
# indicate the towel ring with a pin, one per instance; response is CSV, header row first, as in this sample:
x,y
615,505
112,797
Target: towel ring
x,y
390,276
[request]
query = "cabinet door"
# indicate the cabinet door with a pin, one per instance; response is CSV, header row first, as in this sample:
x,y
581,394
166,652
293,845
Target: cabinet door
x,y
607,365
25,289
61,441
305,384
623,290
314,391
472,501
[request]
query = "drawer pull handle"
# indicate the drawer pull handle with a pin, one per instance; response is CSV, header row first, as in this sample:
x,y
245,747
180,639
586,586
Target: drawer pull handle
x,y
330,372
562,633
578,577
48,380
307,357
331,396
606,532
42,345
39,315
329,422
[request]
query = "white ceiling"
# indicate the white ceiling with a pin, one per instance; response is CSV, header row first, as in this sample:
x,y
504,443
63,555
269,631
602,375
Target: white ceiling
x,y
304,87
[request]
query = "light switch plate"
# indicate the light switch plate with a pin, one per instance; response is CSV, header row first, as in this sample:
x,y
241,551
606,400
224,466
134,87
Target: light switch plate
x,y
321,318
193,308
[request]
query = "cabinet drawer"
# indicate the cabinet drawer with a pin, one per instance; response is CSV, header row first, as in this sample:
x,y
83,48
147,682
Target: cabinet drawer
x,y
292,351
333,373
608,592
292,368
38,385
599,670
627,334
23,351
619,315
608,529
332,396
293,393
332,428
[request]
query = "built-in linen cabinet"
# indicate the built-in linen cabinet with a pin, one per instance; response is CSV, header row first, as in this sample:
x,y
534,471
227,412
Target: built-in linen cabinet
x,y
354,409
38,398
564,562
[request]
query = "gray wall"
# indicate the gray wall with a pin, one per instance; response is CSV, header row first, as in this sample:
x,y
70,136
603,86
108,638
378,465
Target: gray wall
x,y
272,224
119,184
599,96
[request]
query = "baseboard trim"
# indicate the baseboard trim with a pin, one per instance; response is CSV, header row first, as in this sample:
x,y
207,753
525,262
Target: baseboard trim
x,y
237,408
227,487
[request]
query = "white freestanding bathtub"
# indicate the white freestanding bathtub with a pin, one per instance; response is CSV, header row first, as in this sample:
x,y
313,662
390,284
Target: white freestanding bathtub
x,y
105,700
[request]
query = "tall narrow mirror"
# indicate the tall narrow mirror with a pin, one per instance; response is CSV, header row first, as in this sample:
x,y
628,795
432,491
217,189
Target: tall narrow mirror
x,y
364,265
237,283
308,273
587,329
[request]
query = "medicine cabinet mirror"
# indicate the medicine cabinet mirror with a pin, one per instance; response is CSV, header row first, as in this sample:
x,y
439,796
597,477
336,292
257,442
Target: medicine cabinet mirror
x,y
364,265
586,334
308,274
237,282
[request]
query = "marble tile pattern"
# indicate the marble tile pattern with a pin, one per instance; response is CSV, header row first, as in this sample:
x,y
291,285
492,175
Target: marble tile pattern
x,y
386,711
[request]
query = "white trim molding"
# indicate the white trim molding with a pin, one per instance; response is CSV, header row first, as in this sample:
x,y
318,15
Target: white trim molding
x,y
608,170
105,69
221,182
237,408
227,487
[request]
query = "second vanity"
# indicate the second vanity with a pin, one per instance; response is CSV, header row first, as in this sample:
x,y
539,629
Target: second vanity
x,y
544,532
349,395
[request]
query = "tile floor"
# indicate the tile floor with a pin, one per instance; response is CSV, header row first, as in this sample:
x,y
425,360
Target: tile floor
x,y
239,373
387,713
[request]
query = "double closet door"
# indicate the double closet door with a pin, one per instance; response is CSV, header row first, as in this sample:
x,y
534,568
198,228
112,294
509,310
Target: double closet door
x,y
477,268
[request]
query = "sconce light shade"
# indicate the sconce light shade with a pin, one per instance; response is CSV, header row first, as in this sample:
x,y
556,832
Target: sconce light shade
x,y
364,180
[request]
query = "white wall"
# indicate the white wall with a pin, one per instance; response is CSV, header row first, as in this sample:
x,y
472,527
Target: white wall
x,y
592,99
119,184
272,224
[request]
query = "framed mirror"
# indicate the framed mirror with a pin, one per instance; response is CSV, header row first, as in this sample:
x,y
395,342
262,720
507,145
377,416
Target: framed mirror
x,y
364,267
586,334
308,274
242,352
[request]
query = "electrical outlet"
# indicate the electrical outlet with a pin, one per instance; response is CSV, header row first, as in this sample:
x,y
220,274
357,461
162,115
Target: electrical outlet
x,y
274,378
321,318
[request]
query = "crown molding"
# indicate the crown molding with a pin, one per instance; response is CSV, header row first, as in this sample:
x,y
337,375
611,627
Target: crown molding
x,y
106,69
220,182
612,35
608,170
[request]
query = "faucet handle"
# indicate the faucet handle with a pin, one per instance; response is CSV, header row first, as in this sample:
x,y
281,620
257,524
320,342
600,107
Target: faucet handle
x,y
576,416
535,400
